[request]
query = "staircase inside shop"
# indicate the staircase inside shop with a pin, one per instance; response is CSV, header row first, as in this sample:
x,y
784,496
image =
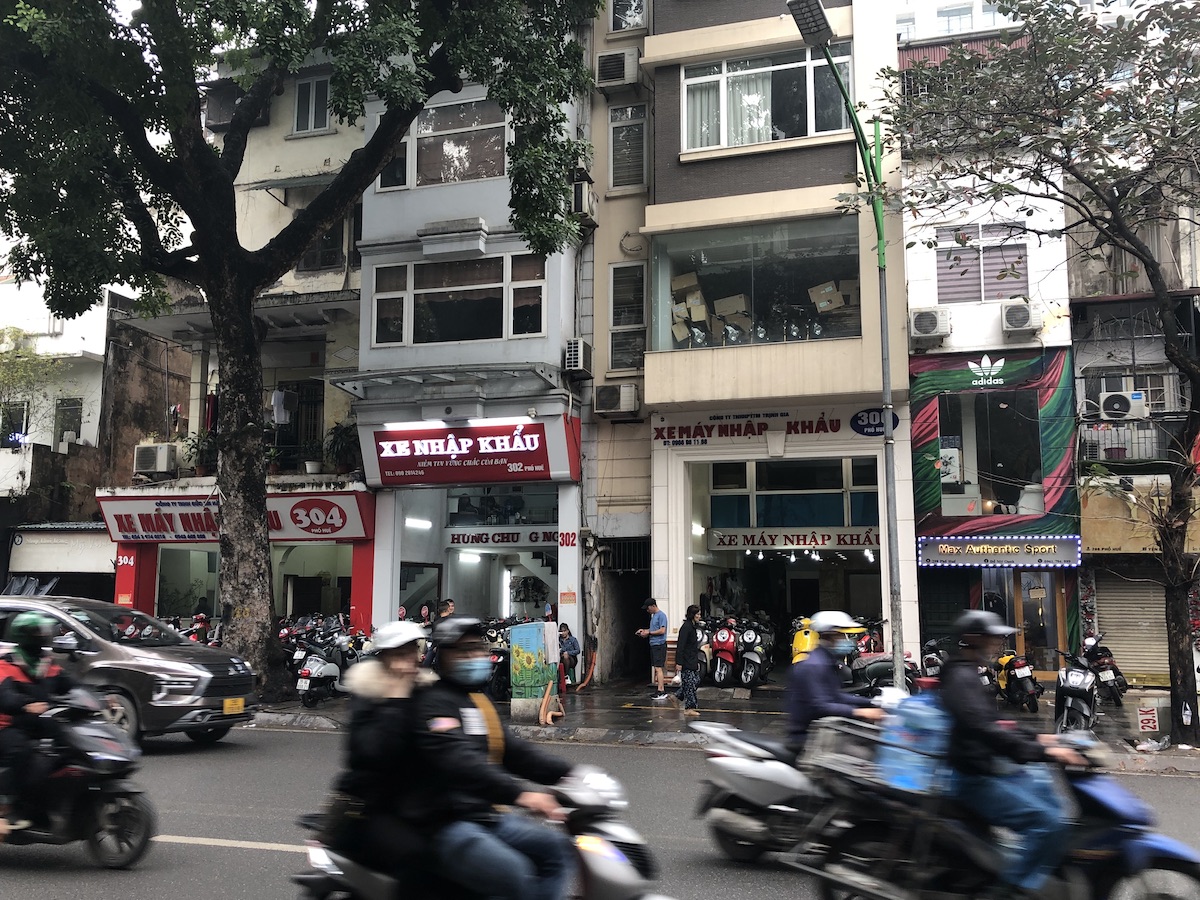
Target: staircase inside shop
x,y
541,564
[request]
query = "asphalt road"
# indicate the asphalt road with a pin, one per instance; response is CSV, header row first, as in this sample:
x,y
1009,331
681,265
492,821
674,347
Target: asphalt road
x,y
226,829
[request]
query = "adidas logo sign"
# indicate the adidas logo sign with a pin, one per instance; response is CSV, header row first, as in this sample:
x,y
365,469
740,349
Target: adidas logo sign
x,y
985,371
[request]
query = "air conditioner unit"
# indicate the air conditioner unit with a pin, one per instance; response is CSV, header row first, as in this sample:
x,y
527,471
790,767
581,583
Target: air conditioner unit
x,y
617,399
618,68
1019,318
151,458
1117,405
928,327
578,359
583,202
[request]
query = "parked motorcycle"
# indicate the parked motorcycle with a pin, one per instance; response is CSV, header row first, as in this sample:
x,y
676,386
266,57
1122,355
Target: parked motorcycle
x,y
615,862
88,796
1015,681
320,678
499,683
704,633
725,641
871,640
756,645
1074,695
895,849
868,675
934,658
804,639
1112,682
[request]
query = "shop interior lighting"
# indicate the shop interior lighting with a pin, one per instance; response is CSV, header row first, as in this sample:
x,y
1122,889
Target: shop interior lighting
x,y
418,524
500,421
792,558
760,554
414,426
869,555
747,551
816,556
697,529
469,557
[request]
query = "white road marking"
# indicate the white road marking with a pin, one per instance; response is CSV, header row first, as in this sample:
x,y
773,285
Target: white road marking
x,y
223,842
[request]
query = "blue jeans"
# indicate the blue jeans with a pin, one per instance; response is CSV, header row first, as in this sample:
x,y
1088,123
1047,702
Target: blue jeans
x,y
1027,801
513,858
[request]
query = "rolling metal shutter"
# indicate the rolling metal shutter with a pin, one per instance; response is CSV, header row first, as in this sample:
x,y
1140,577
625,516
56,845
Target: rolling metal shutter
x,y
1132,616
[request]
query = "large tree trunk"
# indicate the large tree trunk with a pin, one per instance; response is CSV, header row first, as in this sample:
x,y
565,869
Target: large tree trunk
x,y
245,572
1178,572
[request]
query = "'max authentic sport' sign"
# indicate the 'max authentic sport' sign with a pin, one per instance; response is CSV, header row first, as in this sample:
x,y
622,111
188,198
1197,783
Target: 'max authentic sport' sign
x,y
999,550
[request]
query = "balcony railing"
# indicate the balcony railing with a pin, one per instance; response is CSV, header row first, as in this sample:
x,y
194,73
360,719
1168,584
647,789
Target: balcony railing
x,y
1127,440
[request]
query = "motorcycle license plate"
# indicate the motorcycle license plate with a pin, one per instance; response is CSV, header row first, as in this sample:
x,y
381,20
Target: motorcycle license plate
x,y
234,705
984,679
1023,672
1108,675
935,670
302,684
299,654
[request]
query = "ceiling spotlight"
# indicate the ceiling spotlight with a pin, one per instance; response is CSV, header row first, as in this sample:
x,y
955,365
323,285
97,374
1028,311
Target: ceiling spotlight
x,y
792,558
760,554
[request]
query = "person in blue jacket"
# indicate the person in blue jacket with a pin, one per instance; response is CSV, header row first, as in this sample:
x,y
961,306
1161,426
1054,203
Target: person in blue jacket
x,y
814,689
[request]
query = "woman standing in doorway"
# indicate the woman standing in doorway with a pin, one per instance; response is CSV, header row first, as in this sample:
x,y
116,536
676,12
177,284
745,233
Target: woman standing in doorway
x,y
687,660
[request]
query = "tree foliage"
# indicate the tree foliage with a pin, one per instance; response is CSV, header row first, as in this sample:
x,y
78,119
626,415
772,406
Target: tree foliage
x,y
24,373
110,177
1100,115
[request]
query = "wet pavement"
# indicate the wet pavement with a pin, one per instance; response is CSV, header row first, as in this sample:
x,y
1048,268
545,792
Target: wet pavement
x,y
623,712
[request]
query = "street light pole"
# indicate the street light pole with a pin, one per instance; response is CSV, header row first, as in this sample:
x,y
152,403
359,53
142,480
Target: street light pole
x,y
815,29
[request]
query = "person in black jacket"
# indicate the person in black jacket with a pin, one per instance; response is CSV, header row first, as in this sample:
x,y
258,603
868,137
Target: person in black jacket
x,y
687,660
368,815
472,764
994,775
815,689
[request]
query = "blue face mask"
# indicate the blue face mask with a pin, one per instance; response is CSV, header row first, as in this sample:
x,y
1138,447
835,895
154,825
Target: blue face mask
x,y
843,646
471,671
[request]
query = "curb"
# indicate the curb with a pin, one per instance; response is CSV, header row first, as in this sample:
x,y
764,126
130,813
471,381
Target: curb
x,y
585,735
307,721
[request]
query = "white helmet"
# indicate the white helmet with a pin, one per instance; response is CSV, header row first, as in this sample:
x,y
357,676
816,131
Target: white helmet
x,y
395,635
1089,643
834,620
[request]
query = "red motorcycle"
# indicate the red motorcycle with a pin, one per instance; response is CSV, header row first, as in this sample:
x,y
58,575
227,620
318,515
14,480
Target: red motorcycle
x,y
724,641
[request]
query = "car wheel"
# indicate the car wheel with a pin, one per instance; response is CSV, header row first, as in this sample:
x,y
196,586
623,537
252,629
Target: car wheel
x,y
123,715
209,735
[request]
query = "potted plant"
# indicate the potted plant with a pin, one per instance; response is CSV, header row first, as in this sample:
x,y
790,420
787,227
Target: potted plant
x,y
201,448
273,455
313,455
341,446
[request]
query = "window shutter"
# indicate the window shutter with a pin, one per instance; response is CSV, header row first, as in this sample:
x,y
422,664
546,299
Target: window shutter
x,y
628,296
628,154
1009,259
957,268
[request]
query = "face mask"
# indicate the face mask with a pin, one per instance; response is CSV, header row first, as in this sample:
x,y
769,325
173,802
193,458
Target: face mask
x,y
471,671
842,646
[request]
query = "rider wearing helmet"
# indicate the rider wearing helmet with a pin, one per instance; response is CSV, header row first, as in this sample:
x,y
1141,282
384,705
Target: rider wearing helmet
x,y
983,753
29,679
472,764
814,688
366,817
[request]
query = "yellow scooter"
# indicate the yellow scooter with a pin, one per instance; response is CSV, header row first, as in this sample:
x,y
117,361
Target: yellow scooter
x,y
804,639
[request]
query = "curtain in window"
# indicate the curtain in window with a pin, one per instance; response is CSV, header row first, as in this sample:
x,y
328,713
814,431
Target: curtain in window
x,y
703,115
749,109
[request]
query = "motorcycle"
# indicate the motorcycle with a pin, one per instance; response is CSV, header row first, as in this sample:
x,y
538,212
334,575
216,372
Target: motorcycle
x,y
320,677
725,640
1074,695
615,862
871,640
1112,682
868,675
704,638
499,683
756,646
1015,681
933,658
901,848
88,796
804,639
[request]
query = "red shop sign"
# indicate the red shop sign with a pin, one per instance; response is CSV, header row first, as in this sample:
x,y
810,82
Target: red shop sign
x,y
472,453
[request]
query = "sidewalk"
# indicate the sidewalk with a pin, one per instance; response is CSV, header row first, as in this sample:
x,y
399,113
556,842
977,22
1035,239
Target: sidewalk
x,y
623,712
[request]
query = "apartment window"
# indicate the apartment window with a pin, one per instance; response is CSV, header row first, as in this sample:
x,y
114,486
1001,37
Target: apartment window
x,y
395,173
463,300
1160,389
331,249
627,145
905,28
794,493
992,17
68,417
312,105
628,334
954,19
13,424
55,326
627,14
459,142
976,262
753,100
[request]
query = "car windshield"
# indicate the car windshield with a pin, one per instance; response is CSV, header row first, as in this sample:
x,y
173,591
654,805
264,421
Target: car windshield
x,y
127,626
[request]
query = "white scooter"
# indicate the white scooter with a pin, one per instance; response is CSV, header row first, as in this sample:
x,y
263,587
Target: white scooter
x,y
320,677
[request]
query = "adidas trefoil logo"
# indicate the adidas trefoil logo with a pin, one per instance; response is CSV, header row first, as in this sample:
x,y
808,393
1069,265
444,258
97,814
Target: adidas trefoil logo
x,y
985,371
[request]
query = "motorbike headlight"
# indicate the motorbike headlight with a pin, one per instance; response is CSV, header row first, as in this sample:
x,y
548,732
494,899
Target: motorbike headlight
x,y
605,789
1077,678
590,843
749,636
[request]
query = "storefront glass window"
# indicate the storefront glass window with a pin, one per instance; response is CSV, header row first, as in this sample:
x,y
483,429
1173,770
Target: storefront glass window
x,y
187,580
311,577
991,455
533,504
730,512
792,281
729,476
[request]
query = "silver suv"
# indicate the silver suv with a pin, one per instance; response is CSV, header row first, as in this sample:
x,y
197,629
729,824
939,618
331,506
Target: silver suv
x,y
164,683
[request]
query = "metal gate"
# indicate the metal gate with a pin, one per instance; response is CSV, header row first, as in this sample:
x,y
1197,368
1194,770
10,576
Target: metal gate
x,y
1132,616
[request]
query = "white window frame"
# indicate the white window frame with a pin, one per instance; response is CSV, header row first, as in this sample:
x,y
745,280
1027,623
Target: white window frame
x,y
906,27
624,123
409,308
410,139
812,61
980,243
614,328
950,18
312,128
612,19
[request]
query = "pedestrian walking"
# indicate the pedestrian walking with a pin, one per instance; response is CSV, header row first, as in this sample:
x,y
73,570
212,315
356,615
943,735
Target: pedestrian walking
x,y
656,634
687,660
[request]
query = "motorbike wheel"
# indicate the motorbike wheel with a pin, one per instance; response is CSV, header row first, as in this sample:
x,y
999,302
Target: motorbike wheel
x,y
310,699
722,673
1071,720
208,735
736,848
749,673
854,857
1031,704
121,832
1114,694
499,689
1165,879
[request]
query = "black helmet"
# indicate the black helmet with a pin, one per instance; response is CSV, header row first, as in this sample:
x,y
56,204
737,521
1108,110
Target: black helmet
x,y
452,629
980,622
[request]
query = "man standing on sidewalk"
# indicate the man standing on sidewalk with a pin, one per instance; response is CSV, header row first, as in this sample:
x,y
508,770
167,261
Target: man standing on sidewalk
x,y
657,635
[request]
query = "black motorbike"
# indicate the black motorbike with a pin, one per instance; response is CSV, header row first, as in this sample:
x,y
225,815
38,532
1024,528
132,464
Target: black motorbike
x,y
868,675
1112,681
88,796
934,658
1074,695
615,862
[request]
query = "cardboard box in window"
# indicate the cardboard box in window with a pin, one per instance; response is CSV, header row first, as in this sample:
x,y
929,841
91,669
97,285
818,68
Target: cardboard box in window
x,y
826,296
680,331
679,312
742,320
689,281
850,291
696,307
728,306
